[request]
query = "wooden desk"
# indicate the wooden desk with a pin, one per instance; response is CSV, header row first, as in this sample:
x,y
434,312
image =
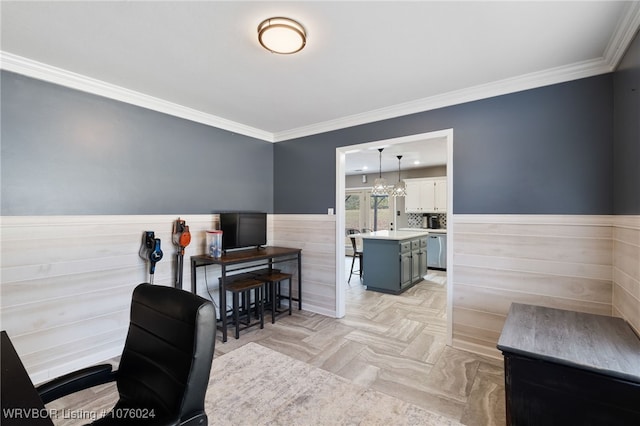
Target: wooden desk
x,y
21,404
242,260
569,368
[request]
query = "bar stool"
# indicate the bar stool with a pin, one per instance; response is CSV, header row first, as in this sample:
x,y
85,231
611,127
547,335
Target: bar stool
x,y
274,279
241,285
351,233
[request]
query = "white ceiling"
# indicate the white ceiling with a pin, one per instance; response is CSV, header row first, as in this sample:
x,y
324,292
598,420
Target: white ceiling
x,y
415,155
364,60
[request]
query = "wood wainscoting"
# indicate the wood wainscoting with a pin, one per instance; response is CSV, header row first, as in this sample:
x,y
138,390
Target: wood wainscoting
x,y
315,234
67,283
557,261
67,280
626,269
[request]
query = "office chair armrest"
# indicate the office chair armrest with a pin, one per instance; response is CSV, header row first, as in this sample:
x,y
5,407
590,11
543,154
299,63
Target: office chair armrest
x,y
76,381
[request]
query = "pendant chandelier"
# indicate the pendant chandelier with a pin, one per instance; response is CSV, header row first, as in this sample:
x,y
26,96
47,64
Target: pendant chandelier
x,y
380,185
400,188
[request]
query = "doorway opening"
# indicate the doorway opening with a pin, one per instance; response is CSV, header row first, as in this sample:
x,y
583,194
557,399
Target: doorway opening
x,y
360,199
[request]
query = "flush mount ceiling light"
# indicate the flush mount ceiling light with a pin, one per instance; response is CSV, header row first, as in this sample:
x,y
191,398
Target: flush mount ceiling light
x,y
282,35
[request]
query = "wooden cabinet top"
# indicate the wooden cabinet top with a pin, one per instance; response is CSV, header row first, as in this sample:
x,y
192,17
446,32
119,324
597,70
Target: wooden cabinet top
x,y
598,343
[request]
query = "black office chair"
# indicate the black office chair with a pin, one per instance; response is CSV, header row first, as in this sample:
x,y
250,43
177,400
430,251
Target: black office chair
x,y
164,369
357,253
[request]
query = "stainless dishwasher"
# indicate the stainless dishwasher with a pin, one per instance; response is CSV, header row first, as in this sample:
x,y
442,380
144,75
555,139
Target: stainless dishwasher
x,y
437,251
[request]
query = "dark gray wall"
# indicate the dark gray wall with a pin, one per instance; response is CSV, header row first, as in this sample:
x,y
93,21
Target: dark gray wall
x,y
541,151
626,151
67,152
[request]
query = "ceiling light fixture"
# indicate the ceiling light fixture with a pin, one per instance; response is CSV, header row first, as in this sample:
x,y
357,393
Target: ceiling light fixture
x,y
400,188
380,184
282,35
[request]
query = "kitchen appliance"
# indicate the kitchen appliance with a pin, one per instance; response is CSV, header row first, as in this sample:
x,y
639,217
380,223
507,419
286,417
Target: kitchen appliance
x,y
437,251
430,221
434,222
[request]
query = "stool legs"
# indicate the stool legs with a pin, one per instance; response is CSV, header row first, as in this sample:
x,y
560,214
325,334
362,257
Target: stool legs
x,y
236,314
272,298
276,297
245,306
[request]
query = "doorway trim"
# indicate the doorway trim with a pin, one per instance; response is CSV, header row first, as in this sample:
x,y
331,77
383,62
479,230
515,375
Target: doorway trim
x,y
341,153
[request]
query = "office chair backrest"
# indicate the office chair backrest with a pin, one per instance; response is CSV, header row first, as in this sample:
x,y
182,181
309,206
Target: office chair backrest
x,y
168,352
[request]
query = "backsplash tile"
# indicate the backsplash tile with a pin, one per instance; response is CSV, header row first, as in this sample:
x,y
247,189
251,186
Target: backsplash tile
x,y
414,220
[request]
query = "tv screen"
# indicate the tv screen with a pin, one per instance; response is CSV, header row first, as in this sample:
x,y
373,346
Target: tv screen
x,y
243,229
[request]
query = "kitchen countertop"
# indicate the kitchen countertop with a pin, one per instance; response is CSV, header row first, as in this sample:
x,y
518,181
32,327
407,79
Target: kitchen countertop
x,y
429,230
590,342
398,235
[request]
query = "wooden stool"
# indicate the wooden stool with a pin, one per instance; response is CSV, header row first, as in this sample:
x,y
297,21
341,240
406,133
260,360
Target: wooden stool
x,y
242,285
274,280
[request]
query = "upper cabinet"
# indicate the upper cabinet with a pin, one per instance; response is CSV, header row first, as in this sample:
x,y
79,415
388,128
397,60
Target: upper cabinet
x,y
426,195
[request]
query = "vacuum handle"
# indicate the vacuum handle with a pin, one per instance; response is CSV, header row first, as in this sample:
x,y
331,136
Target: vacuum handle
x,y
155,255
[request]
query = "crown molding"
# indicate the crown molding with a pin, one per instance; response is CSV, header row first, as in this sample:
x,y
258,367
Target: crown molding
x,y
38,70
51,74
616,48
483,91
620,40
623,35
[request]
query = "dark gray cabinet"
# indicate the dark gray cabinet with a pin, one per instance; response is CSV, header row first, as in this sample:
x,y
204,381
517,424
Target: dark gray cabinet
x,y
422,254
392,266
569,368
405,269
415,260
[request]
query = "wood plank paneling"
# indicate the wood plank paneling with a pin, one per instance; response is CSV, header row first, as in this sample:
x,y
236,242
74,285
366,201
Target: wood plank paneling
x,y
67,280
626,269
67,283
557,261
315,235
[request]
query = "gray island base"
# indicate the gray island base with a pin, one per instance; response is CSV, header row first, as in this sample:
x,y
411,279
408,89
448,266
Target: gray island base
x,y
394,260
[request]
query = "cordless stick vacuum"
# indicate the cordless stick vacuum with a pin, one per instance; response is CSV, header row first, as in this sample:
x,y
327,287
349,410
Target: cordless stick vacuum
x,y
181,238
151,252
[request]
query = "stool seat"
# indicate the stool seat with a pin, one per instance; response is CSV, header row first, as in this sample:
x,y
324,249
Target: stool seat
x,y
242,284
274,279
258,272
275,276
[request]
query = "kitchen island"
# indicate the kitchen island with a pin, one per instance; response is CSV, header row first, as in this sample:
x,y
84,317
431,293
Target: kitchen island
x,y
394,260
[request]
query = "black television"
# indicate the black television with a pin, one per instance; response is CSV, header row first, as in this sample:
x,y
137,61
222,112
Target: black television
x,y
243,229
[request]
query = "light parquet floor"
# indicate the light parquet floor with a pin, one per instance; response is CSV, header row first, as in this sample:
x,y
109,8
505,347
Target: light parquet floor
x,y
394,344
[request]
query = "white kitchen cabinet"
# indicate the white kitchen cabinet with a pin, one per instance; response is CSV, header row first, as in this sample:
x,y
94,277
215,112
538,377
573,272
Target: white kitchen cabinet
x,y
426,195
440,195
412,201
